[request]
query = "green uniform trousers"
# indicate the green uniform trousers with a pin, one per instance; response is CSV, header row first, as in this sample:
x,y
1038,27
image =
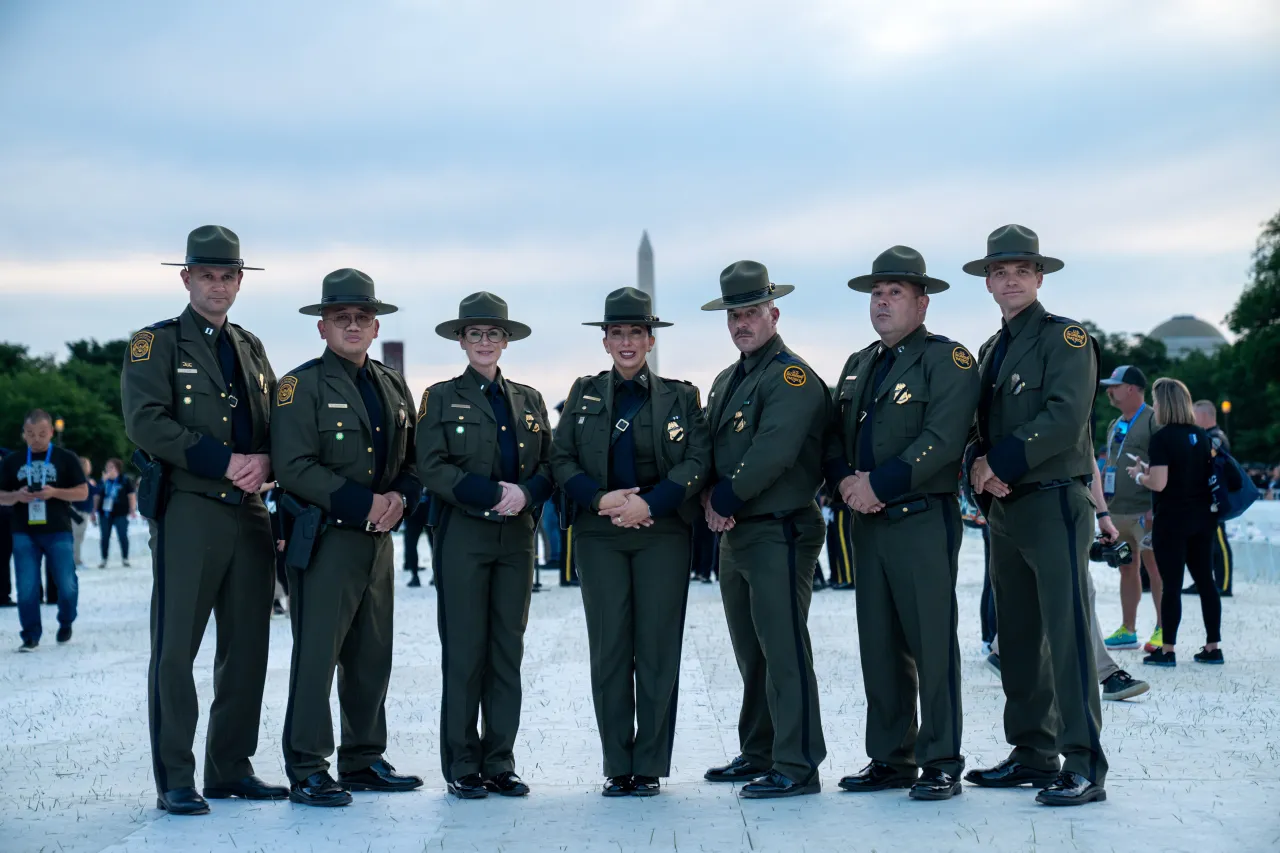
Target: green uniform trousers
x,y
1039,557
208,557
766,584
341,610
484,580
635,585
907,619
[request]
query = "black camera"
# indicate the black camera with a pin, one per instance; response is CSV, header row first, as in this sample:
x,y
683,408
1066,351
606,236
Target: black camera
x,y
1115,554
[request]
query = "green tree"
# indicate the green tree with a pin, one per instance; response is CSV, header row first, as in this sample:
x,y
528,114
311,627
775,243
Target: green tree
x,y
1253,375
91,428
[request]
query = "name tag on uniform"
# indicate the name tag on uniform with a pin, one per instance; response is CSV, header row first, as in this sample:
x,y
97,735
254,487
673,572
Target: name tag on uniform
x,y
339,406
589,397
460,405
187,370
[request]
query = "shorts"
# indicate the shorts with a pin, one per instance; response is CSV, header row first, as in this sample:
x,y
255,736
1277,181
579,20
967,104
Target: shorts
x,y
1131,530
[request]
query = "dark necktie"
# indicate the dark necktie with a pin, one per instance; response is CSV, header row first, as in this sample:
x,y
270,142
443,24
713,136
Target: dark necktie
x,y
739,374
622,454
373,408
241,419
989,382
508,453
866,442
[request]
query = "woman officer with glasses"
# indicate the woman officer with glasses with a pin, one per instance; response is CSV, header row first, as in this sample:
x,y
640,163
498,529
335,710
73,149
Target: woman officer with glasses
x,y
632,452
483,446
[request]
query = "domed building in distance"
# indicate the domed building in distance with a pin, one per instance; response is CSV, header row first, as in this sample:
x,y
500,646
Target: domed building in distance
x,y
1185,334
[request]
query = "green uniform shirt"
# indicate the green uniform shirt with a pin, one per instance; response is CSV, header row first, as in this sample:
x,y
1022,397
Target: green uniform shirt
x,y
919,422
176,405
677,449
767,435
458,443
1129,497
1036,426
322,441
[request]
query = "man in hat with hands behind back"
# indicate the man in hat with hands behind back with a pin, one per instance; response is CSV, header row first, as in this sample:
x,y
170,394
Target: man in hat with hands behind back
x,y
343,441
894,454
767,414
196,392
1029,461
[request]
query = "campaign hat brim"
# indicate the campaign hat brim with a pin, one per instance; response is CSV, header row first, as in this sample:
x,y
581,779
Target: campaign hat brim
x,y
452,329
778,291
349,301
867,283
651,322
209,262
979,267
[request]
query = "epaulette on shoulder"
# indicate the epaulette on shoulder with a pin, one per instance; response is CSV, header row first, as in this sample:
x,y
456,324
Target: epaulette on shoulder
x,y
173,321
942,339
1056,318
301,367
681,381
789,358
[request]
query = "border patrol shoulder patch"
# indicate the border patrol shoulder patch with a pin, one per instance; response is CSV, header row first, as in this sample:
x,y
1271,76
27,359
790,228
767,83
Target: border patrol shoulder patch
x,y
284,392
1075,336
794,375
140,346
422,407
962,358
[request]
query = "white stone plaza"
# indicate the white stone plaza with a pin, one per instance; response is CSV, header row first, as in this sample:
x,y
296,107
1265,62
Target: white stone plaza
x,y
1193,763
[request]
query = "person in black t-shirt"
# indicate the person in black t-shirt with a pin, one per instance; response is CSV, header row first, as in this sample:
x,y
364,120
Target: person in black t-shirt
x,y
40,484
1184,523
117,503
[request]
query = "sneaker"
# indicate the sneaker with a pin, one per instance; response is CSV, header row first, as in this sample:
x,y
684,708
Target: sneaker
x,y
29,645
993,664
1161,658
64,633
1122,638
1156,641
1214,656
124,563
277,609
102,565
1121,685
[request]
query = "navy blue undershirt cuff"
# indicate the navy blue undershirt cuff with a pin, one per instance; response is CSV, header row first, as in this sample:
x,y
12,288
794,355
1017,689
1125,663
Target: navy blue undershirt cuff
x,y
409,486
836,469
208,458
351,502
723,500
582,489
1008,460
665,498
891,480
476,491
539,488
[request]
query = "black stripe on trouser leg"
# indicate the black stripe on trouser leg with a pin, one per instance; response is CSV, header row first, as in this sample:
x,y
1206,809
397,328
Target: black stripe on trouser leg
x,y
953,653
675,688
162,772
1082,634
295,617
437,557
789,533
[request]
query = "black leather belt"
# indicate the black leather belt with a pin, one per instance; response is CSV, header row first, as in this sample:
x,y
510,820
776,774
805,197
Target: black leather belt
x,y
358,526
1023,489
232,497
770,516
912,504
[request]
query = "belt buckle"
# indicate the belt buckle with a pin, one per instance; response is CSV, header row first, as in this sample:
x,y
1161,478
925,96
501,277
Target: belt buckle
x,y
370,527
233,401
622,425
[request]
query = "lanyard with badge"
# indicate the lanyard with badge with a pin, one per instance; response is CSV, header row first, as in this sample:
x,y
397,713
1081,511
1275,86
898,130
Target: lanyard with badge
x,y
1122,430
38,510
110,488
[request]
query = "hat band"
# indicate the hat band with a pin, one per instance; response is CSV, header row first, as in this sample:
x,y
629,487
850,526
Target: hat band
x,y
739,298
630,318
348,300
885,274
193,261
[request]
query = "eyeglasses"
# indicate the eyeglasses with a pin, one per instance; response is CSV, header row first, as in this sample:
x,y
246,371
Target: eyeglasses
x,y
493,336
343,321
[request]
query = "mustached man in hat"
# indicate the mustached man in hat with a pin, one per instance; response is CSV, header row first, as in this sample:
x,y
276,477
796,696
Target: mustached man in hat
x,y
196,392
632,453
894,453
483,448
1031,466
767,413
343,441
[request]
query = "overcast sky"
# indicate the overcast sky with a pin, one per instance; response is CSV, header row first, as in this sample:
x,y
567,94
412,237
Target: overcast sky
x,y
521,148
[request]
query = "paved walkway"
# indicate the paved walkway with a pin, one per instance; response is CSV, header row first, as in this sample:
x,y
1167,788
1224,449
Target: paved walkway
x,y
1193,763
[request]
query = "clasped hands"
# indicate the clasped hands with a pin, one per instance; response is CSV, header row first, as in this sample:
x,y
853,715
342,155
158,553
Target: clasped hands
x,y
984,480
386,511
626,508
248,471
717,522
856,492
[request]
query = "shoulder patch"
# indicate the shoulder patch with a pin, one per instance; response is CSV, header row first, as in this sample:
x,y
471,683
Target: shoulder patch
x,y
422,407
794,375
1075,336
961,357
284,391
140,346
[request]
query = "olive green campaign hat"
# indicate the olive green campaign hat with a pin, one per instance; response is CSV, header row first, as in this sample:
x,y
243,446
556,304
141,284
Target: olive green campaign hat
x,y
628,306
483,309
1013,243
348,287
746,283
901,263
212,246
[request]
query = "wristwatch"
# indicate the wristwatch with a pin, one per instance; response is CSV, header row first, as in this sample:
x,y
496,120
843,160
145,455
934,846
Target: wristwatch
x,y
404,502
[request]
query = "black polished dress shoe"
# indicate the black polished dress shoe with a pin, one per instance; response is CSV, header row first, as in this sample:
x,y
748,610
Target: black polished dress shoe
x,y
1010,774
379,776
469,787
645,786
876,776
617,786
182,801
935,784
319,789
1071,789
506,784
735,771
248,788
775,785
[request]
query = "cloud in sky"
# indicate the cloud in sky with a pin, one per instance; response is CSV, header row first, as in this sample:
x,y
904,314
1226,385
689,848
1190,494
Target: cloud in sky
x,y
521,148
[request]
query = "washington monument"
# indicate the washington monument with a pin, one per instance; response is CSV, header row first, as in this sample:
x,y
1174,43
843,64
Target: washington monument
x,y
644,281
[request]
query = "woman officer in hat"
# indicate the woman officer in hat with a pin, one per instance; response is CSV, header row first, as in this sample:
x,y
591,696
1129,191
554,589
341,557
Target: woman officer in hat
x,y
632,452
483,445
